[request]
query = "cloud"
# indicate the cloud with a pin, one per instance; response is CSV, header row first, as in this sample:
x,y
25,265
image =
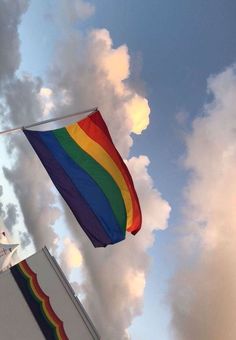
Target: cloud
x,y
37,202
138,109
29,180
203,291
8,213
103,73
76,10
10,17
25,239
21,105
70,257
11,218
46,100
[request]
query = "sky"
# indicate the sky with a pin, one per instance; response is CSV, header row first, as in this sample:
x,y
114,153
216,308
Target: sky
x,y
163,75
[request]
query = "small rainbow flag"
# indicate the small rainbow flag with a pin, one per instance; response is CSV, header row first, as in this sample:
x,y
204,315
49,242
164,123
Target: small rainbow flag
x,y
91,176
39,303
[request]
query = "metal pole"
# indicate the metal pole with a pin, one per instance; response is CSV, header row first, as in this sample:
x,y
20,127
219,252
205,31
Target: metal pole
x,y
48,121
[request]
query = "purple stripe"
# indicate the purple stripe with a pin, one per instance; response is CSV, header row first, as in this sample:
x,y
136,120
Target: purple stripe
x,y
75,201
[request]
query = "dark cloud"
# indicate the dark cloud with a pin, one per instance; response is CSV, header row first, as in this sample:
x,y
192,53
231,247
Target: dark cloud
x,y
8,213
11,216
25,239
10,16
22,100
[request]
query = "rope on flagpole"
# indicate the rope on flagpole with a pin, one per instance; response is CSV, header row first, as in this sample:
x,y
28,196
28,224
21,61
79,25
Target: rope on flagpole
x,y
48,121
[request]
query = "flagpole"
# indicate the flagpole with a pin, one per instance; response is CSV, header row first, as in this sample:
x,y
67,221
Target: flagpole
x,y
48,121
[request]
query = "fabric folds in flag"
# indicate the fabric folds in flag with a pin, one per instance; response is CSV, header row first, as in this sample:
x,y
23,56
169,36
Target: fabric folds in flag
x,y
91,176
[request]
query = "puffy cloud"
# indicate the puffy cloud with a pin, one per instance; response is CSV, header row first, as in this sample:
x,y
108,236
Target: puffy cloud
x,y
203,291
115,62
104,71
138,109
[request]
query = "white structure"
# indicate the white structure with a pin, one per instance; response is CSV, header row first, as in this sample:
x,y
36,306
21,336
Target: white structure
x,y
18,319
6,252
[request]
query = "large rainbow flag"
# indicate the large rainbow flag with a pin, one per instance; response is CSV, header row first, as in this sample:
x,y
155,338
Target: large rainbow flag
x,y
91,176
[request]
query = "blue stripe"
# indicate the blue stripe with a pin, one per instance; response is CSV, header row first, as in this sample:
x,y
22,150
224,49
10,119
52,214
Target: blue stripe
x,y
87,187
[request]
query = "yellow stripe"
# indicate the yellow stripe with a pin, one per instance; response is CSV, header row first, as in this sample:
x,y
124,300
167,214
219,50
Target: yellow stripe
x,y
103,158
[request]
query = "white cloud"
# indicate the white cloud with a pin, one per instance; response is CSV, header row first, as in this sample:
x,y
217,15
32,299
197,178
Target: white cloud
x,y
203,291
136,283
138,109
70,257
46,99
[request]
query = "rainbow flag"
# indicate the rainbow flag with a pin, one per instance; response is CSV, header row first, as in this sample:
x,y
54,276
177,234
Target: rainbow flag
x,y
91,176
39,303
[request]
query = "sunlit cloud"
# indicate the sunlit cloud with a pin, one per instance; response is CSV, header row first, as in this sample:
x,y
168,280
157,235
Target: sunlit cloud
x,y
203,291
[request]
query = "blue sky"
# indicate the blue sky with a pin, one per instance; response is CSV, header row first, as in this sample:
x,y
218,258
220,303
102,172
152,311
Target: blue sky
x,y
174,49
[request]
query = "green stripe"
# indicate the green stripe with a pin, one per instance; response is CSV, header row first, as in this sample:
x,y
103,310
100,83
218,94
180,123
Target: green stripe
x,y
96,172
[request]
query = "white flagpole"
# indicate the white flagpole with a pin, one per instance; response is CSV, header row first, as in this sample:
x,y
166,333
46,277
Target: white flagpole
x,y
48,121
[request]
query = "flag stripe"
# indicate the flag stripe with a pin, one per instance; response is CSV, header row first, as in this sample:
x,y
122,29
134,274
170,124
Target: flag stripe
x,y
102,157
96,171
75,201
88,188
96,129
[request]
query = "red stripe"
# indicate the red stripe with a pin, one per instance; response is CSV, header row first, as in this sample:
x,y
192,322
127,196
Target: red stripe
x,y
97,119
95,127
